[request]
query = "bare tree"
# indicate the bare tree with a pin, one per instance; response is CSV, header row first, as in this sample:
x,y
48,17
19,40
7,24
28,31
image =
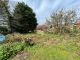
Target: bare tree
x,y
62,20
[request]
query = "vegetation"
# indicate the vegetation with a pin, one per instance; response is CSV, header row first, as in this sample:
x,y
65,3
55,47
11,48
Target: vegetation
x,y
5,15
3,30
62,21
24,19
10,49
44,44
49,46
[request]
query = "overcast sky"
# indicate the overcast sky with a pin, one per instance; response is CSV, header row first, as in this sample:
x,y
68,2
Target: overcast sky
x,y
43,8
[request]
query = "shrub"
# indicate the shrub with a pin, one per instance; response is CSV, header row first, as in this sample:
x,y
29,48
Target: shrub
x,y
3,30
62,21
9,50
17,37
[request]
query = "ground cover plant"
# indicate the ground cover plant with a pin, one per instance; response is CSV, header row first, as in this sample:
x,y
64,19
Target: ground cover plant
x,y
10,49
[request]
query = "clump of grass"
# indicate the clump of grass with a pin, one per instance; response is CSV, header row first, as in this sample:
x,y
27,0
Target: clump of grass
x,y
14,37
17,37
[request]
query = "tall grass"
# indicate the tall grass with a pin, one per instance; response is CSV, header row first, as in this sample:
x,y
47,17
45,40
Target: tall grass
x,y
50,46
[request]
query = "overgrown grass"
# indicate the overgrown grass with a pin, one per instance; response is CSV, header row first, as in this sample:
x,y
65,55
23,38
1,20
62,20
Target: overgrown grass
x,y
61,52
56,47
47,46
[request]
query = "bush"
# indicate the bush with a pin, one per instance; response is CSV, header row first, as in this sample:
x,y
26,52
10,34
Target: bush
x,y
62,21
50,31
17,37
9,50
4,30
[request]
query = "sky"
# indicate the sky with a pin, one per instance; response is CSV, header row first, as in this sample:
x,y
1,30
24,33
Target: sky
x,y
44,8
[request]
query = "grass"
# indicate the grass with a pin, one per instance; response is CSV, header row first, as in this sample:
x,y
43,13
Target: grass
x,y
63,50
55,47
51,53
50,46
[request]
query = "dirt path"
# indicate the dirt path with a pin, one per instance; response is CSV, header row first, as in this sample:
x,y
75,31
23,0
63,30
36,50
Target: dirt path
x,y
21,56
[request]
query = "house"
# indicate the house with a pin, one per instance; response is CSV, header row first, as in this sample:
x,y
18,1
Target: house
x,y
42,27
77,24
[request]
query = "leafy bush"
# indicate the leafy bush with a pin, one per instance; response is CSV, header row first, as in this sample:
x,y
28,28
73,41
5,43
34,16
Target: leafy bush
x,y
9,50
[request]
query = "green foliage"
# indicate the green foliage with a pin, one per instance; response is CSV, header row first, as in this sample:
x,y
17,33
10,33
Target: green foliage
x,y
4,30
23,19
3,3
9,50
4,12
